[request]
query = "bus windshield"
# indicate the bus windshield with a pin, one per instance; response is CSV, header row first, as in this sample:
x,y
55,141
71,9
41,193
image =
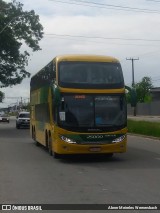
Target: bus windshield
x,y
90,75
88,111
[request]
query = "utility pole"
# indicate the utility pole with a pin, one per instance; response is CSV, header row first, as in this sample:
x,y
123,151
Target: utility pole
x,y
133,82
132,60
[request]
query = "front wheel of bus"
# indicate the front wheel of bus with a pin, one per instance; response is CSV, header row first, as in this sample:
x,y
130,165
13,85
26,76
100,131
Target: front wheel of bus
x,y
109,155
50,145
56,155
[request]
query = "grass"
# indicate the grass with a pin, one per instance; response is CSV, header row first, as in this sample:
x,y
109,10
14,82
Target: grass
x,y
144,128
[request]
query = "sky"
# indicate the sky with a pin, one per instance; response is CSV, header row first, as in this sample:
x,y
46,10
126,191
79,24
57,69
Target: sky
x,y
118,28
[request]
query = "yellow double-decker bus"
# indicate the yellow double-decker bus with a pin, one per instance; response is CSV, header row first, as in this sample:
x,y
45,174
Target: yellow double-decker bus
x,y
78,106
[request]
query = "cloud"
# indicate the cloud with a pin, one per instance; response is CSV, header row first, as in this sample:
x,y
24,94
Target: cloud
x,y
88,22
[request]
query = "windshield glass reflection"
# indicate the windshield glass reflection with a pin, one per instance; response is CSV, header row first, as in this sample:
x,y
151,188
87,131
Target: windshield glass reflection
x,y
92,111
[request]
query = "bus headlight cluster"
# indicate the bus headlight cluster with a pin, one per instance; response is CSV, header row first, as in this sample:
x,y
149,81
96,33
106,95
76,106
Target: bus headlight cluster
x,y
119,139
68,140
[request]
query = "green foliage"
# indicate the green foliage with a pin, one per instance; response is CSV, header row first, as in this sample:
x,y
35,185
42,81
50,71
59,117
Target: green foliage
x,y
144,128
148,99
1,96
16,28
143,89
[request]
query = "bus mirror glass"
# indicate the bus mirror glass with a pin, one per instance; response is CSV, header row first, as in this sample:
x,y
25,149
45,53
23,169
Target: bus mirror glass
x,y
56,95
133,97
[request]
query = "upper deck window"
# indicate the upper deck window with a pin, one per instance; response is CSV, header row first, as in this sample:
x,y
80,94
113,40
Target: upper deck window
x,y
90,75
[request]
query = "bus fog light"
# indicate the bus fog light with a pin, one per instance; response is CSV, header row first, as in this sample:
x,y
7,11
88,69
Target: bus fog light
x,y
68,140
119,139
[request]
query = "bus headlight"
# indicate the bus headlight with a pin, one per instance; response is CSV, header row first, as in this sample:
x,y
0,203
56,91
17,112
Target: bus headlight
x,y
68,140
119,139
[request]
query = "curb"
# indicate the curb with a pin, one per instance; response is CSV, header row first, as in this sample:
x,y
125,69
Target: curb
x,y
144,136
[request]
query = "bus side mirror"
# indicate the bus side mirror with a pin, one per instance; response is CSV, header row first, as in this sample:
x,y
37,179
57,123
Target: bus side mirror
x,y
56,95
133,97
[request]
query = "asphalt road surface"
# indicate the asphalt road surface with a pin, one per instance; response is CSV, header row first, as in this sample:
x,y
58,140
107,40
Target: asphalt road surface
x,y
28,174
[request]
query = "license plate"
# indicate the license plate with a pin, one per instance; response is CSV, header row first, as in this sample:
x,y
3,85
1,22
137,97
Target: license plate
x,y
95,149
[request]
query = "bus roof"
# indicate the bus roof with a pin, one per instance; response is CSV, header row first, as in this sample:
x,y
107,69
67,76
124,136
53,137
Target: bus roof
x,y
87,58
83,57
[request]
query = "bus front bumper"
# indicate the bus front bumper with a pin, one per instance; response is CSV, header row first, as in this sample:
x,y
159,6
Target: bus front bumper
x,y
67,148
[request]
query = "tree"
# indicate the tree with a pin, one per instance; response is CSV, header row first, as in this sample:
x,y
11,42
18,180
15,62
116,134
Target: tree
x,y
1,96
143,89
17,27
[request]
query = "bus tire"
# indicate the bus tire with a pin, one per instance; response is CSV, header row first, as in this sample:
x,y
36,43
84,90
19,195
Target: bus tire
x,y
50,144
34,136
46,140
33,133
56,155
109,155
37,144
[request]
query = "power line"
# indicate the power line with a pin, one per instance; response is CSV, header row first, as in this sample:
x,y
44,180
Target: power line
x,y
71,37
110,43
108,6
105,38
156,80
154,1
116,6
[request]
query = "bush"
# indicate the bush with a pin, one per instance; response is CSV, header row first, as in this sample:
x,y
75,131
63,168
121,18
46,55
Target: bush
x,y
144,128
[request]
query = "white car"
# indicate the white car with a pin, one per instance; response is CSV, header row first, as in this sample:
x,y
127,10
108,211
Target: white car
x,y
23,120
4,118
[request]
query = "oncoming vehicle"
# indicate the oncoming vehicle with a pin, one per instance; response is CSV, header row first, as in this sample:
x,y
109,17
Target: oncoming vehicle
x,y
4,118
78,106
23,120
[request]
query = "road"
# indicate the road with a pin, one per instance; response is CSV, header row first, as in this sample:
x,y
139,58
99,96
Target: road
x,y
29,175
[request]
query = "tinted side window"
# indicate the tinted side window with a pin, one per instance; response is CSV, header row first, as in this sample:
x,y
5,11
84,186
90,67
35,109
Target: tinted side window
x,y
44,77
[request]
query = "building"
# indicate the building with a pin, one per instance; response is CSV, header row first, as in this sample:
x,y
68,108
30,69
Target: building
x,y
155,93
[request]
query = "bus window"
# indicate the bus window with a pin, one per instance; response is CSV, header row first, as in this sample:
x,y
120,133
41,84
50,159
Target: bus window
x,y
90,75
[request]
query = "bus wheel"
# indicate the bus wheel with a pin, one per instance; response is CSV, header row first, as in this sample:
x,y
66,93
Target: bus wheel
x,y
37,144
34,136
50,145
56,155
46,138
109,155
